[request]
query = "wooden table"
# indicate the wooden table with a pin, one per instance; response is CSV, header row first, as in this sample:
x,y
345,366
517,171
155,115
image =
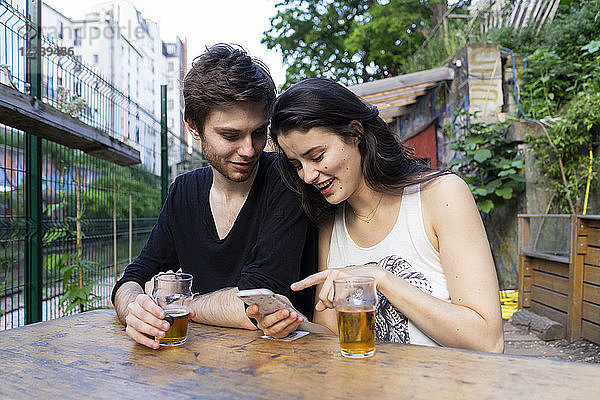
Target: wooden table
x,y
89,356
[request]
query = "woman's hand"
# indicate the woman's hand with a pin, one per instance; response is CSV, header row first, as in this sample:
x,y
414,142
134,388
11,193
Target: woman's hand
x,y
278,324
327,277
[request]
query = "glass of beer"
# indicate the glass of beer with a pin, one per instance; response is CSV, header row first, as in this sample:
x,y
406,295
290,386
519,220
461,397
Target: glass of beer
x,y
170,290
355,299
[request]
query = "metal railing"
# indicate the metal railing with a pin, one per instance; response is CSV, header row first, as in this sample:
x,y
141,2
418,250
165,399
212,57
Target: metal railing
x,y
118,204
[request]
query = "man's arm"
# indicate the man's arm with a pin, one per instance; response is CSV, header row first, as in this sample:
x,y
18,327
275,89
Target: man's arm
x,y
221,308
126,294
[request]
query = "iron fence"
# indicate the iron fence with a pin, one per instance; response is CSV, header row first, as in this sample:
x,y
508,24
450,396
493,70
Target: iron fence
x,y
117,205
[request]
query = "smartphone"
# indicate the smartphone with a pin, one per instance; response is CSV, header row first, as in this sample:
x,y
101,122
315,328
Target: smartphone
x,y
267,301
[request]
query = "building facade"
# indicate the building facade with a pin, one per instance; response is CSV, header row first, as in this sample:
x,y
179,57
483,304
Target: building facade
x,y
116,41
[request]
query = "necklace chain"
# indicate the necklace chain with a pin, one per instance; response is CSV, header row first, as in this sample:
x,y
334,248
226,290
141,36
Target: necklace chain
x,y
369,217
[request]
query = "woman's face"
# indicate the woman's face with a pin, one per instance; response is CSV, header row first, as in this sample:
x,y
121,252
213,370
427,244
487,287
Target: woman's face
x,y
326,161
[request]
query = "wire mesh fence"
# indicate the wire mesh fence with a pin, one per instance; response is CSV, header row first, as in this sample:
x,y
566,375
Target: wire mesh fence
x,y
113,208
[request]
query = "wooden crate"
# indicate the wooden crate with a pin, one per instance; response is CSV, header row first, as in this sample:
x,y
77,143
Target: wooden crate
x,y
564,288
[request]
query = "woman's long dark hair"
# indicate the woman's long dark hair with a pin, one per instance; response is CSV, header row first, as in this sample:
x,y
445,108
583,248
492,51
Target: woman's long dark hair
x,y
387,165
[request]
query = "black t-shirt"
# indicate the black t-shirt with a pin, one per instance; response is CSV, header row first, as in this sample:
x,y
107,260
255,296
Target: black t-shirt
x,y
271,244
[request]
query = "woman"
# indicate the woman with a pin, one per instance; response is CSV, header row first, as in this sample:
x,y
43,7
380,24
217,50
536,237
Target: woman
x,y
415,230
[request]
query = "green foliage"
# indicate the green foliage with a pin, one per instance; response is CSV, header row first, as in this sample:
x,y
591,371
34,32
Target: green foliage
x,y
562,81
389,34
143,185
70,269
441,48
351,41
553,57
75,272
311,36
489,163
573,135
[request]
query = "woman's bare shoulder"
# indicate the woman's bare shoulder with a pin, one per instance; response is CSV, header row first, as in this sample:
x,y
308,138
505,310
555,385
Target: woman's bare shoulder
x,y
444,185
447,193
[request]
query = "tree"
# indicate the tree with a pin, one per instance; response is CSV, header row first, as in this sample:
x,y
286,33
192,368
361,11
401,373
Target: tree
x,y
390,34
351,41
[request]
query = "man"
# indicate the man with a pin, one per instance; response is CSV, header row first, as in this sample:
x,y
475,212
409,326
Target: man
x,y
232,225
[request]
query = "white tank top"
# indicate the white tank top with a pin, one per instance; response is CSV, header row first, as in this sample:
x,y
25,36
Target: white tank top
x,y
407,252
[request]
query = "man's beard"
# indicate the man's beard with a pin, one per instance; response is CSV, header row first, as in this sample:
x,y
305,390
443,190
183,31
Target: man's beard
x,y
224,168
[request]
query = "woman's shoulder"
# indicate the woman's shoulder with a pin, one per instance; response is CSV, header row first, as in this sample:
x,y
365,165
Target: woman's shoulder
x,y
446,192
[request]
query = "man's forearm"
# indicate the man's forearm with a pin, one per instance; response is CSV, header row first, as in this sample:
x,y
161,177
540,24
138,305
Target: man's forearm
x,y
125,295
221,308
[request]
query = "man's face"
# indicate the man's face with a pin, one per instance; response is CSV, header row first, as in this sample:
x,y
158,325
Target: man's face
x,y
233,139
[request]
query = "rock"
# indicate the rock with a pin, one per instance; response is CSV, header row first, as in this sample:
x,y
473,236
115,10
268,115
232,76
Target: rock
x,y
543,327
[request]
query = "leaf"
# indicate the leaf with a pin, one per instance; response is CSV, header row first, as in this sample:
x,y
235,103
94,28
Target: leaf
x,y
480,191
504,192
482,155
493,185
507,172
518,163
485,206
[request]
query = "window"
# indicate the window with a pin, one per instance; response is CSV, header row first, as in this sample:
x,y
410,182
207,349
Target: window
x,y
171,104
60,30
77,39
95,58
170,84
170,66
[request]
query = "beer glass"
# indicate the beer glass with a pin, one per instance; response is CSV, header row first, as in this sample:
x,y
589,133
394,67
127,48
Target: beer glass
x,y
170,290
355,299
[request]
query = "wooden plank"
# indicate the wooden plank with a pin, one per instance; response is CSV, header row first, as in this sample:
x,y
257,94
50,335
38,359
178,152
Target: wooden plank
x,y
591,293
386,101
552,267
528,280
545,16
405,91
592,222
545,256
553,314
403,81
536,10
591,274
521,281
593,235
549,298
28,114
591,312
526,296
525,231
575,283
402,103
590,332
528,266
552,282
592,256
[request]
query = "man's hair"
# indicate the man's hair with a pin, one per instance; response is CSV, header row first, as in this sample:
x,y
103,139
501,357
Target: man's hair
x,y
225,74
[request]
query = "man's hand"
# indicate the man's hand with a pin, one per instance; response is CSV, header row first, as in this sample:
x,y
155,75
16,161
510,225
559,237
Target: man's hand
x,y
278,324
143,318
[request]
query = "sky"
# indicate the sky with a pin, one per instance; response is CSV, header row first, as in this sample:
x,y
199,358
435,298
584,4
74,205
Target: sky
x,y
202,22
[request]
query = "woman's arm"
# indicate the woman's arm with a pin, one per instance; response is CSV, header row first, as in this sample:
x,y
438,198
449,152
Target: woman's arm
x,y
473,318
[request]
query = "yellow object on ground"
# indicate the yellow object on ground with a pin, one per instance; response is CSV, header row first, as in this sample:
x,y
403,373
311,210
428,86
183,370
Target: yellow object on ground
x,y
508,302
